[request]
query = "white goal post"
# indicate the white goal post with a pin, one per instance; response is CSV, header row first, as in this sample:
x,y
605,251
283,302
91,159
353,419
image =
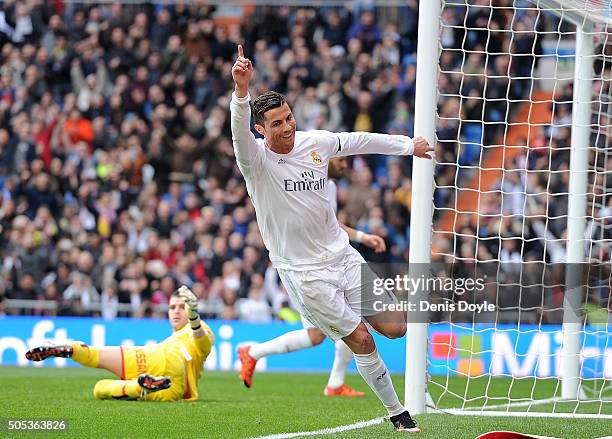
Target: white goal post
x,y
506,162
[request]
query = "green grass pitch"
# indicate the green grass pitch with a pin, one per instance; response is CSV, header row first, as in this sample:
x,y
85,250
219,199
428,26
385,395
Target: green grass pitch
x,y
277,403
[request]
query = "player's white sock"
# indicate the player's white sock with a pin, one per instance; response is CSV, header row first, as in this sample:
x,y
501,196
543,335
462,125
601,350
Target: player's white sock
x,y
341,361
289,342
375,373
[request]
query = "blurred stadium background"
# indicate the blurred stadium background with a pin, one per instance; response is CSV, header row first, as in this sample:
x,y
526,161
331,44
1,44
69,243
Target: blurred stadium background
x,y
118,176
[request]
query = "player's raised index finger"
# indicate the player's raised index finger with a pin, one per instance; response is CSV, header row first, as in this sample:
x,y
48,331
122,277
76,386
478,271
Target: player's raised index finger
x,y
240,50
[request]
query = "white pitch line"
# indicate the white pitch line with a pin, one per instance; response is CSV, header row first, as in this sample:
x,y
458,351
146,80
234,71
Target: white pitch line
x,y
340,429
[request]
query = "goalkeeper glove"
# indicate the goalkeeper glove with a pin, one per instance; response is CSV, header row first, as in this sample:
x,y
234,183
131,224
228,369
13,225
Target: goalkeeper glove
x,y
192,306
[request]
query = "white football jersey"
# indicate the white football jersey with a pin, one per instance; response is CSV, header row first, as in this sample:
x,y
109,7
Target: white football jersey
x,y
332,190
290,191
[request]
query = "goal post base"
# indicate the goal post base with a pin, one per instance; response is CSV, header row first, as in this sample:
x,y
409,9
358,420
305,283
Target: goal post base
x,y
526,414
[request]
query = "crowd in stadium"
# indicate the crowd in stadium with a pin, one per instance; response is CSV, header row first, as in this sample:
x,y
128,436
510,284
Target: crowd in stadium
x,y
118,181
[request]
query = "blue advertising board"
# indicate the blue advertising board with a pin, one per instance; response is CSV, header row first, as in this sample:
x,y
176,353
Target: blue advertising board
x,y
453,349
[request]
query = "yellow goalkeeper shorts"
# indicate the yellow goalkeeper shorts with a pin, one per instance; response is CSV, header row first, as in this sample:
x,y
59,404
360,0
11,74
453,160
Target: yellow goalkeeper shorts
x,y
155,360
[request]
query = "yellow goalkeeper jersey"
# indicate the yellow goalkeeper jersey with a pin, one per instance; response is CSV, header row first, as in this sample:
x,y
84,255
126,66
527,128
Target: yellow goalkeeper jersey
x,y
193,352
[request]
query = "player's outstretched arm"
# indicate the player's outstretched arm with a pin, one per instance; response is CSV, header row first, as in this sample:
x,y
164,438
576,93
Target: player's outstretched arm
x,y
201,337
373,143
375,242
249,154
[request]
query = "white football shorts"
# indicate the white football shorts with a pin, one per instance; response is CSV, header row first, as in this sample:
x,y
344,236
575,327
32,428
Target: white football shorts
x,y
332,298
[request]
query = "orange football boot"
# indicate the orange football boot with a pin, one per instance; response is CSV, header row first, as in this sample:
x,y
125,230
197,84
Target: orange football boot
x,y
248,365
343,390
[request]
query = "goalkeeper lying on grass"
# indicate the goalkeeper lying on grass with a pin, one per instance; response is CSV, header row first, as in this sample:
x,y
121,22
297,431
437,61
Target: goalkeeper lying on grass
x,y
167,371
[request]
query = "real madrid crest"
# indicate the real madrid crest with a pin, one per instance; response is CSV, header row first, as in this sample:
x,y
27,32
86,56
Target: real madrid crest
x,y
316,158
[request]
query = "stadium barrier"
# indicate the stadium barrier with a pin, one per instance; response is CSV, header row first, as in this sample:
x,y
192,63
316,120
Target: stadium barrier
x,y
469,351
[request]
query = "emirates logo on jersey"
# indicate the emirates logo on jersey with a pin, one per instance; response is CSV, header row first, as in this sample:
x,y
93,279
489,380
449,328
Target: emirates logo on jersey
x,y
316,158
309,182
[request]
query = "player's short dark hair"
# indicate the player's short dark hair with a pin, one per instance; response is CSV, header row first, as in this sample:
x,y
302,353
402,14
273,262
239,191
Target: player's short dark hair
x,y
265,102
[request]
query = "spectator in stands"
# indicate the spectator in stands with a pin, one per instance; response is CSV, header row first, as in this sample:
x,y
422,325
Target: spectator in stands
x,y
366,30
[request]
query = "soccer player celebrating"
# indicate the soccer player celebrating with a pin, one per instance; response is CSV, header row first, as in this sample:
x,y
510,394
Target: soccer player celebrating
x,y
311,336
286,175
167,371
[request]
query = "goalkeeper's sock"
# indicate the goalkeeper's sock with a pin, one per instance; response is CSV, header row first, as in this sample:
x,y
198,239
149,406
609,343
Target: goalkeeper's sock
x,y
85,355
342,359
375,373
117,389
289,342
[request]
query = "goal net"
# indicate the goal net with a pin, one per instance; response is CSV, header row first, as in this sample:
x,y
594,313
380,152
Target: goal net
x,y
523,203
